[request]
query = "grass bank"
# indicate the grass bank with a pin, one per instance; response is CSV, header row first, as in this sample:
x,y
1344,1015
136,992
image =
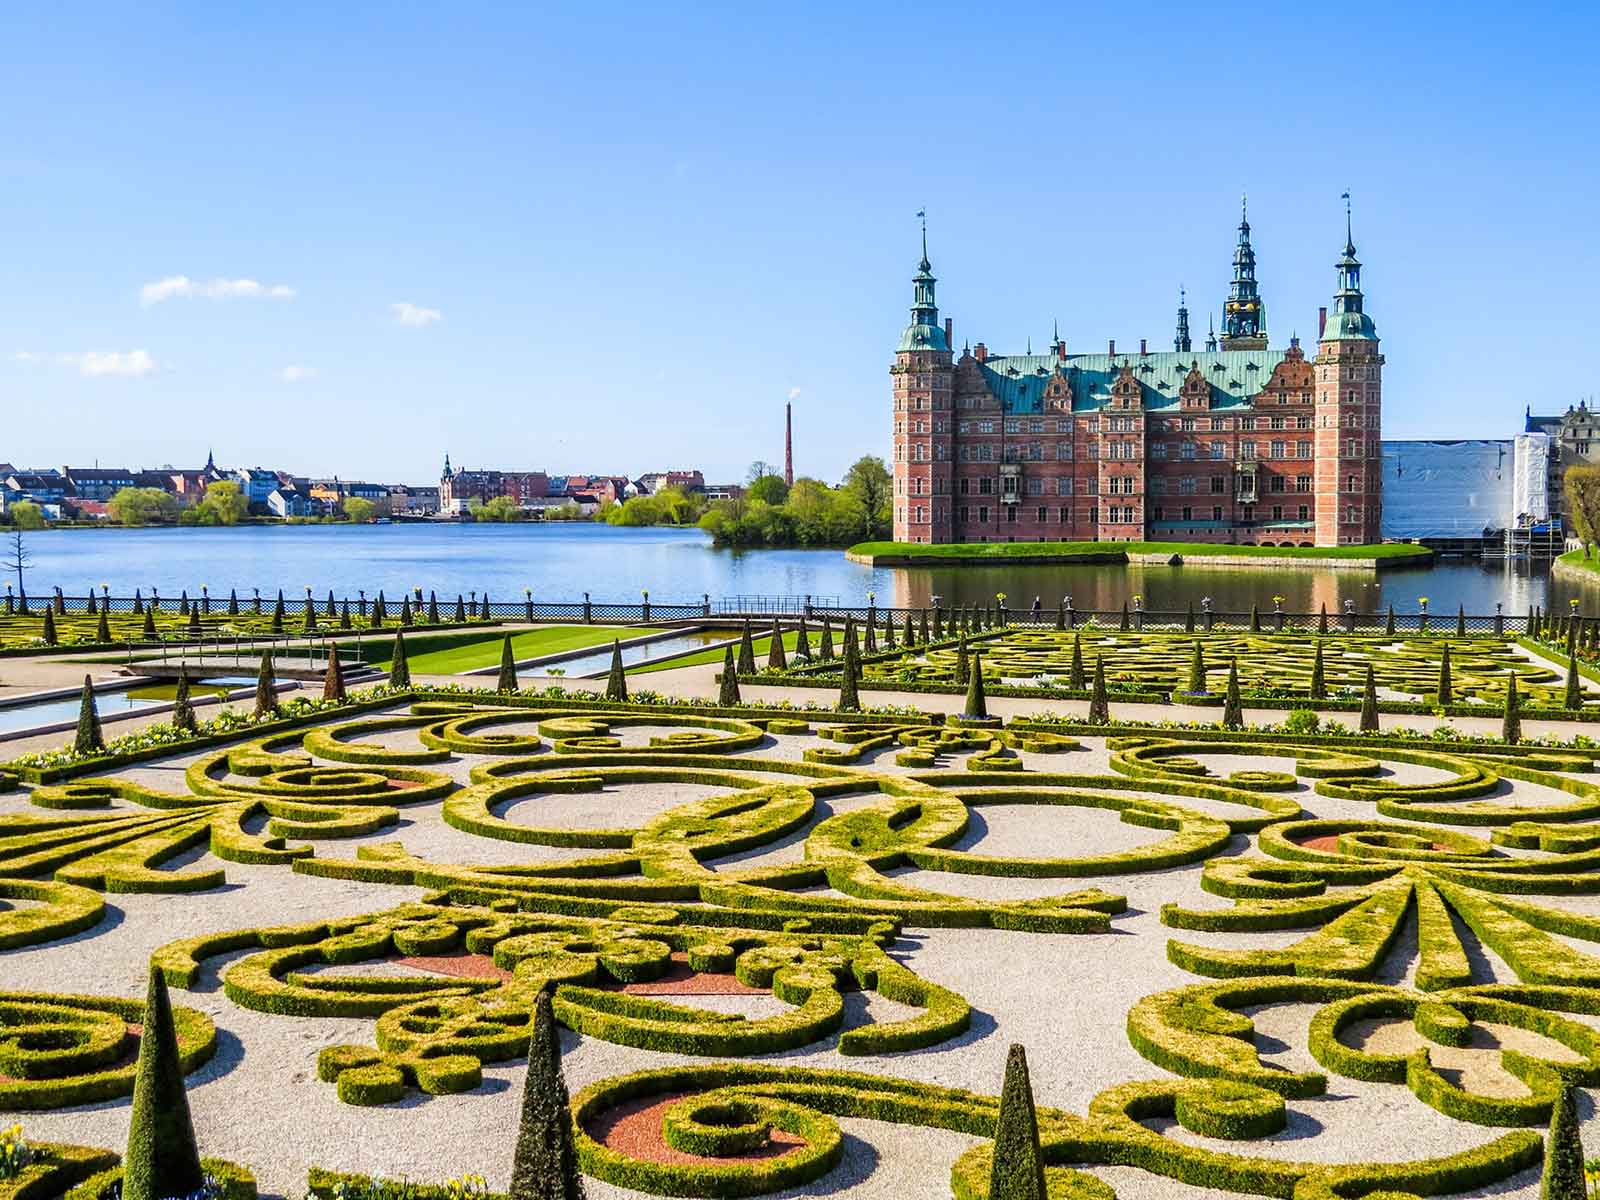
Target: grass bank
x,y
894,554
1574,563
450,654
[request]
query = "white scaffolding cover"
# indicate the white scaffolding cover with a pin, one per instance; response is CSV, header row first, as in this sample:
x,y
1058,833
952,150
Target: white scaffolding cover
x,y
1447,489
1531,488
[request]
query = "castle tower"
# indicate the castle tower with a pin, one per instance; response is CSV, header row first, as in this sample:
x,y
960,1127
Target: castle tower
x,y
923,421
1244,319
1349,479
1181,343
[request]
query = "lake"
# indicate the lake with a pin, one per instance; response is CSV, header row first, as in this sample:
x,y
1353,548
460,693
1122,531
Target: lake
x,y
562,561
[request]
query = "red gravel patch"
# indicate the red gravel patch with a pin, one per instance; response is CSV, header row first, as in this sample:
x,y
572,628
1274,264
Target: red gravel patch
x,y
679,980
403,785
1328,842
460,966
634,1129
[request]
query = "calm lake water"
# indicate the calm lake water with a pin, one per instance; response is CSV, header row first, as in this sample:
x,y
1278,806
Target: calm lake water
x,y
561,562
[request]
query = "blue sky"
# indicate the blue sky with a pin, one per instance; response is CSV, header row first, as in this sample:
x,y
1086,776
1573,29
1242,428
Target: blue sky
x,y
627,234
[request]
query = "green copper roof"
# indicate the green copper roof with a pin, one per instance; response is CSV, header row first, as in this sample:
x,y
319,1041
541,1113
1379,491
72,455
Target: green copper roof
x,y
1349,327
1018,381
922,337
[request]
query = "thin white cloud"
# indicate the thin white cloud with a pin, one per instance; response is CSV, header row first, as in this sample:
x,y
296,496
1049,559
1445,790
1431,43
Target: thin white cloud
x,y
415,315
176,287
293,374
794,393
129,364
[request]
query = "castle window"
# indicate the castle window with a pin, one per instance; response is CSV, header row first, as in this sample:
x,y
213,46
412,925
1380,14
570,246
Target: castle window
x,y
1158,486
1302,449
1064,514
1218,450
1247,449
1186,451
1158,449
1219,425
1160,514
1305,512
985,485
1279,449
1043,514
983,514
1277,484
1188,513
1186,485
1277,512
1218,484
1216,512
1302,483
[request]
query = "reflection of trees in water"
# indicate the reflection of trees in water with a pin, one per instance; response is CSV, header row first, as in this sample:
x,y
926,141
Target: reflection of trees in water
x,y
1105,587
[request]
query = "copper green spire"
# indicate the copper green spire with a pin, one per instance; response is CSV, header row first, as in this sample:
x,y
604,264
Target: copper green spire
x,y
1348,321
1181,343
924,332
1244,320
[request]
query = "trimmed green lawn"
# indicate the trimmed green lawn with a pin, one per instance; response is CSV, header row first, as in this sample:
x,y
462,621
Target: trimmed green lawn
x,y
1101,549
452,653
1575,558
762,643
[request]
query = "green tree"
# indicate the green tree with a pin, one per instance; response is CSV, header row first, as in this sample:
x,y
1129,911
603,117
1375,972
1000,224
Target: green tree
x,y
1369,704
1017,1172
1445,694
769,489
1582,487
163,1158
25,514
143,506
1099,705
1319,682
977,706
850,682
545,1164
358,510
182,709
501,509
224,504
1511,722
1197,671
1232,709
871,483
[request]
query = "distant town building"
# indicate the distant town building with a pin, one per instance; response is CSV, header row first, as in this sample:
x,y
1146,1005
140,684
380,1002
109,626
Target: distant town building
x,y
1574,439
461,490
408,501
99,483
684,481
724,491
1232,443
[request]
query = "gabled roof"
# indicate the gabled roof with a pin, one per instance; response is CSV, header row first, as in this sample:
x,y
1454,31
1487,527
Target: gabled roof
x,y
1018,381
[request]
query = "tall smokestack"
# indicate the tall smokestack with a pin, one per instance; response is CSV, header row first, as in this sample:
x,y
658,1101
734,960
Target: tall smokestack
x,y
788,445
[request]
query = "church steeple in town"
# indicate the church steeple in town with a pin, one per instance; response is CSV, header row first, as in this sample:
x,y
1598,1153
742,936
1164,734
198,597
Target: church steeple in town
x,y
1180,343
924,332
1244,319
1211,332
447,473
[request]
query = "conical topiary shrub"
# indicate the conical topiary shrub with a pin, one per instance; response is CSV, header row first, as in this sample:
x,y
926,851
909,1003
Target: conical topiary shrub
x,y
1461,620
1099,706
89,739
777,660
728,685
1123,623
870,636
344,615
825,646
148,632
1075,676
802,641
1369,704
266,687
399,669
908,634
102,629
333,606
1574,697
850,683
1562,1178
1445,694
49,627
333,677
747,652
1388,625
1232,708
1319,681
194,621
1322,620
1511,723
182,709
851,644
888,631
380,611
1197,671
277,614
545,1165
1255,619
922,628
183,603
938,623
1188,618
507,682
233,602
163,1159
405,611
617,680
309,624
461,609
963,664
1018,1169
433,608
977,706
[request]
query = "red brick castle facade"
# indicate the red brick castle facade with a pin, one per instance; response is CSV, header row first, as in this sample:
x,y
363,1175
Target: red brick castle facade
x,y
1236,443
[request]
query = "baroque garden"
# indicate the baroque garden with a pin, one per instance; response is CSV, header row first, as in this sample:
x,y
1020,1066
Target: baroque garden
x,y
1286,908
